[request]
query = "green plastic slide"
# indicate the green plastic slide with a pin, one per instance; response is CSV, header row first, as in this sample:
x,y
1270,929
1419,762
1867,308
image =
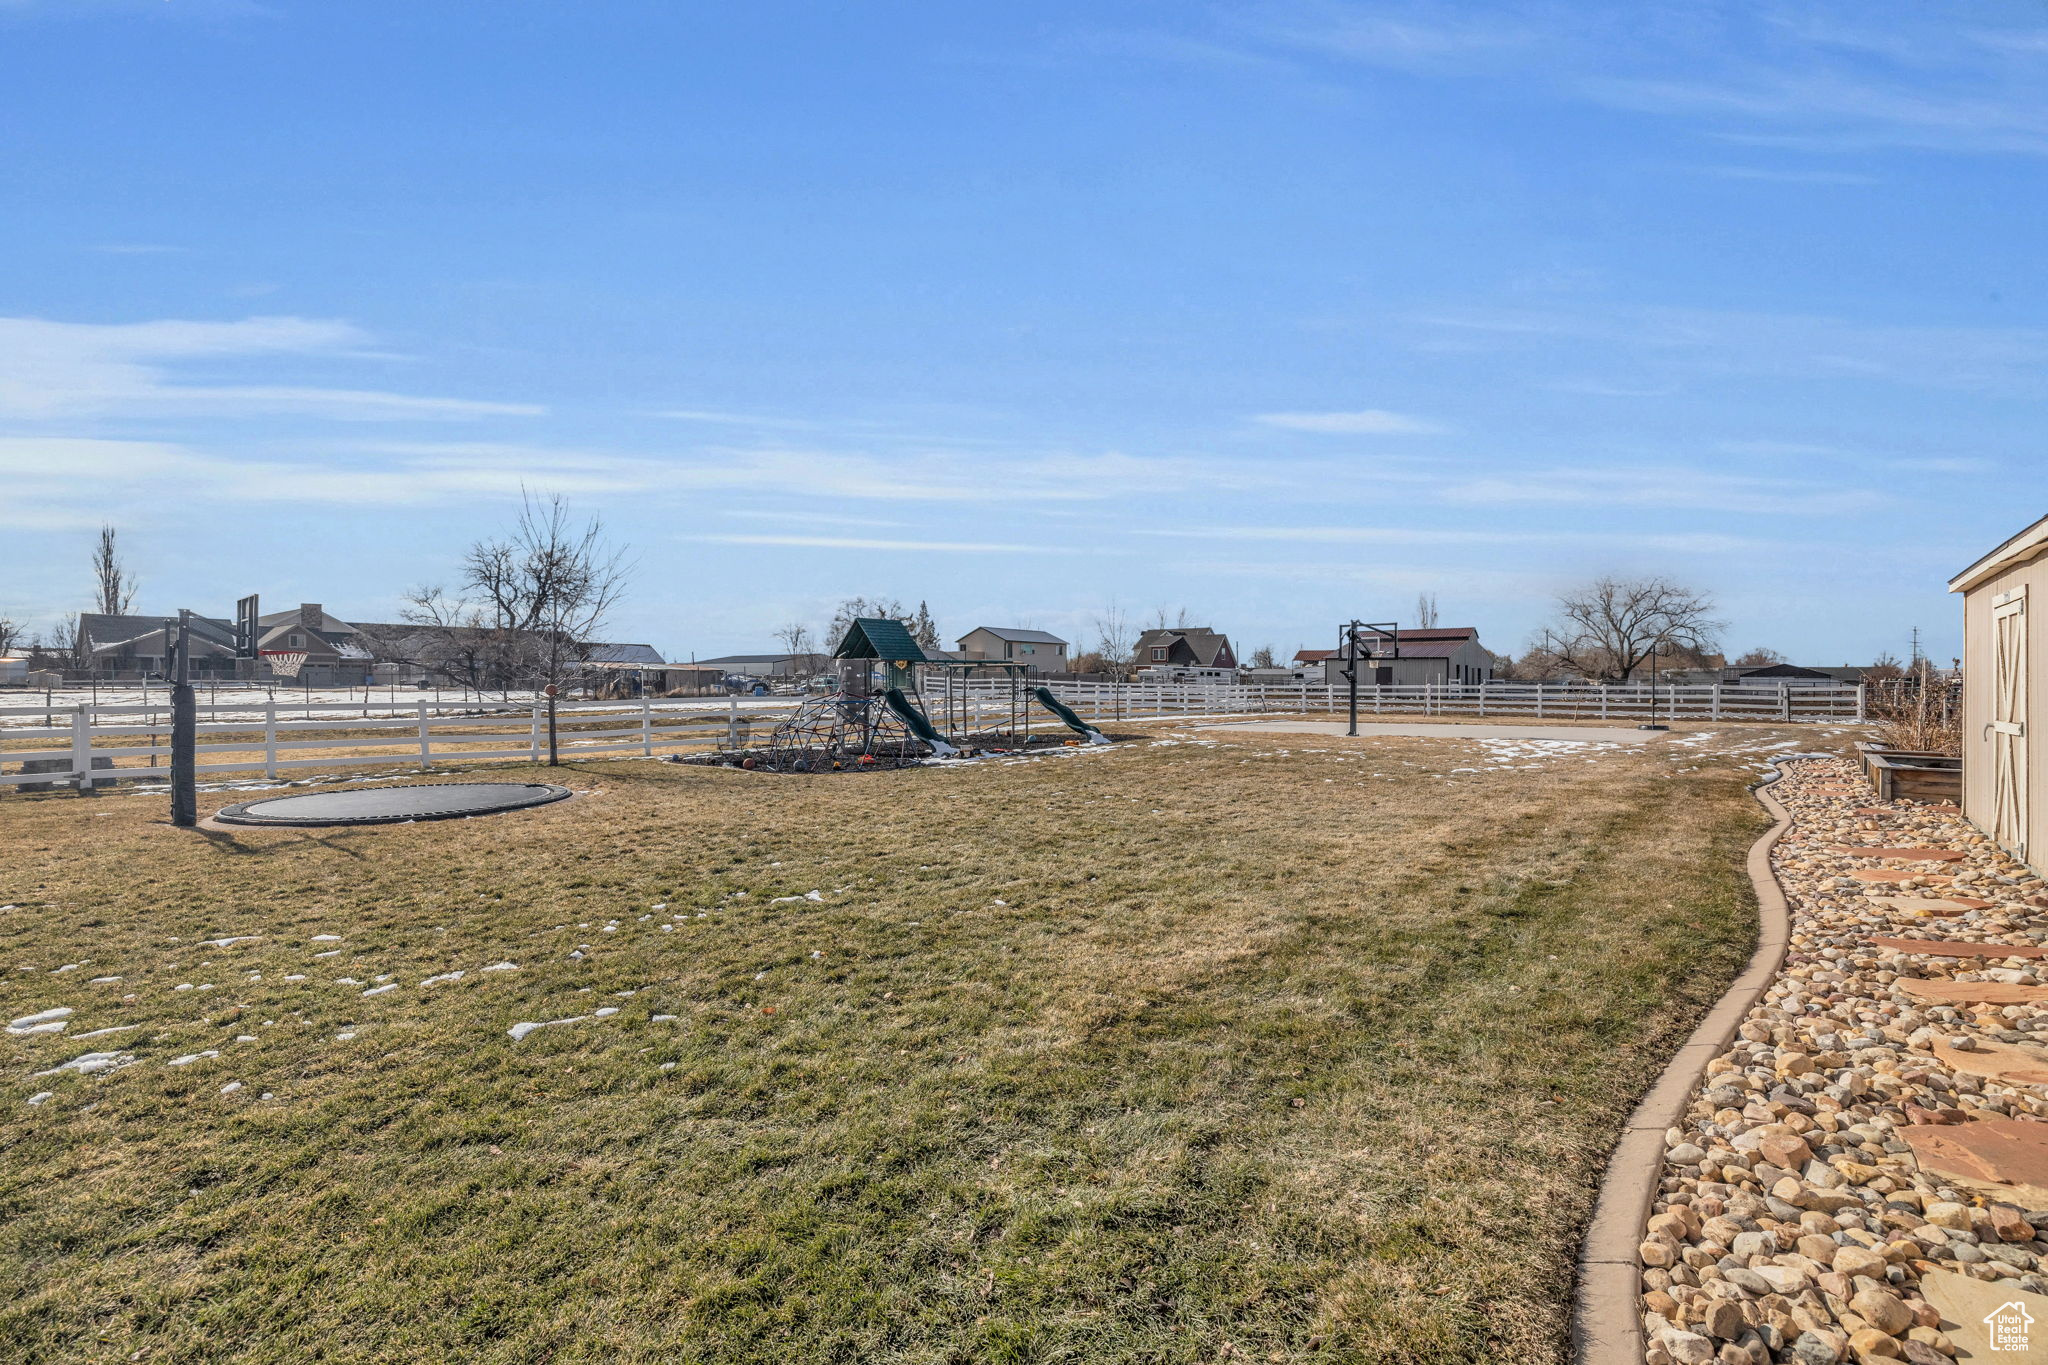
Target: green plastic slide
x,y
906,711
1067,716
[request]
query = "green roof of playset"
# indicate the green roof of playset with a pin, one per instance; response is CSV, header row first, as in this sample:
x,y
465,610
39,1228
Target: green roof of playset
x,y
877,637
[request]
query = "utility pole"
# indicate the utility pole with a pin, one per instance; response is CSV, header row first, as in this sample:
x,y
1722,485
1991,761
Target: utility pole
x,y
184,726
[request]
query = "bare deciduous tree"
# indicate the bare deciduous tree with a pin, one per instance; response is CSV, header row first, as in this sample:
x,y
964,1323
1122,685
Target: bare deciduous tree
x,y
531,603
10,634
1425,610
1609,627
1262,657
116,586
854,608
795,639
1759,658
1114,639
1161,621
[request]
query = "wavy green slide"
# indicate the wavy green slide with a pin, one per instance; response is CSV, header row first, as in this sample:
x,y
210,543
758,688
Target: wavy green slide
x,y
906,711
1067,716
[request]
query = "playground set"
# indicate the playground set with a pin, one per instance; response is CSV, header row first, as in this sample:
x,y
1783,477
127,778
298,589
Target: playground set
x,y
877,716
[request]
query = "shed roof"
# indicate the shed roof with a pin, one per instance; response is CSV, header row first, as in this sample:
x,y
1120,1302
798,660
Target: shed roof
x,y
625,654
2022,547
878,637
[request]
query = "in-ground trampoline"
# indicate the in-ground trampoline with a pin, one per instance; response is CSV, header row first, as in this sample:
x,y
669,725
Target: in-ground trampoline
x,y
393,805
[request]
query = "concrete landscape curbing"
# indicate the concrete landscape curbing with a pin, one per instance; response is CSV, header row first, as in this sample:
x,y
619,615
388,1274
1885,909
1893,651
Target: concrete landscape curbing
x,y
1607,1326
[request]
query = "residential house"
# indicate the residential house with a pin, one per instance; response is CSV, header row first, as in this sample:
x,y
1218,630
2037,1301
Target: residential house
x,y
135,646
1436,655
1184,654
1043,651
336,653
2005,685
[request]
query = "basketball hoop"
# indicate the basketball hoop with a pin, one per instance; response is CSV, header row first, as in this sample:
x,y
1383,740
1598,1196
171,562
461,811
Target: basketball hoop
x,y
285,663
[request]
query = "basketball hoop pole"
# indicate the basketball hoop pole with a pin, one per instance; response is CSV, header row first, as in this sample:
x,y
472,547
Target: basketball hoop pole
x,y
554,760
184,719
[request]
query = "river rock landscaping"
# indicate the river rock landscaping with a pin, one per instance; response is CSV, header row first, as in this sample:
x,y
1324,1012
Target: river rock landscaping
x,y
1867,1163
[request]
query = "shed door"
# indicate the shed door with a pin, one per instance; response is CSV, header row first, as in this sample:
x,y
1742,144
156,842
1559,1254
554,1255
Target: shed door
x,y
2008,727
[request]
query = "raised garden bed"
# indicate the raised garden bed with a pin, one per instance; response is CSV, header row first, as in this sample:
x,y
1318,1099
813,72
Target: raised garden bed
x,y
1906,775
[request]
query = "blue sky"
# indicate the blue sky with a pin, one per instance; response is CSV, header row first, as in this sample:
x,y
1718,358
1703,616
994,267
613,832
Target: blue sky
x,y
1279,313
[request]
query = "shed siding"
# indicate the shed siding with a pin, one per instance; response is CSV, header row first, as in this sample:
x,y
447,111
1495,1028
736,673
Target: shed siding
x,y
1979,672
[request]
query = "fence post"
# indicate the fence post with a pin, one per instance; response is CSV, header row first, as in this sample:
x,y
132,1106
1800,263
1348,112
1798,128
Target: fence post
x,y
426,744
1717,700
539,720
270,739
646,728
1784,701
81,747
1539,702
1859,702
732,723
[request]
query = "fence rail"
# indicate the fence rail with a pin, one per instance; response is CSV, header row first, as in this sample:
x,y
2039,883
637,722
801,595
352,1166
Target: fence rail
x,y
98,744
1709,701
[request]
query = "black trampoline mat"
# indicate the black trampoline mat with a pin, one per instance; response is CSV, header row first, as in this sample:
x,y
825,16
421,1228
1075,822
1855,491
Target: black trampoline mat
x,y
390,805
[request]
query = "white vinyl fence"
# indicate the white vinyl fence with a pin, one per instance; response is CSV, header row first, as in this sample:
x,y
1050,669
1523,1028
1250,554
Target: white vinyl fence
x,y
1550,701
85,744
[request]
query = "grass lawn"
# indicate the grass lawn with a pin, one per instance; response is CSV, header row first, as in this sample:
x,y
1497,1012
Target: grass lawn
x,y
1270,1048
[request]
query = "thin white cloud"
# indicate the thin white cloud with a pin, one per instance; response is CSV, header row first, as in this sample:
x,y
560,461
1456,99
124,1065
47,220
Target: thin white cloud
x,y
1840,80
1365,422
1671,344
1781,176
862,543
1688,489
51,370
709,417
1687,542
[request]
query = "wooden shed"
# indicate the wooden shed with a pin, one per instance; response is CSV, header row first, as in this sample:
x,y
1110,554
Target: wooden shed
x,y
2005,779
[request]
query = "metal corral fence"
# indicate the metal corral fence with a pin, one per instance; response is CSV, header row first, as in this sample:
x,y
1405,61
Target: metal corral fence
x,y
1101,702
94,745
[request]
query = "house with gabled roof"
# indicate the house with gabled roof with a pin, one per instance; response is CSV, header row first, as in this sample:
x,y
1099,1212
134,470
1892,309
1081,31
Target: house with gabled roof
x,y
136,646
1434,655
1041,650
1175,649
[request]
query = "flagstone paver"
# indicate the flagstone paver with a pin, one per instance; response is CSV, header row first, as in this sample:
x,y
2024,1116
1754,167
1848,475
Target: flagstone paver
x,y
2008,1159
1917,855
1965,1305
1943,905
1892,874
1951,992
1947,947
2000,1061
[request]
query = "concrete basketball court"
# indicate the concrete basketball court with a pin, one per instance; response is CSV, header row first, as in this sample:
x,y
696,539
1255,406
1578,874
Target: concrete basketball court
x,y
1594,734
